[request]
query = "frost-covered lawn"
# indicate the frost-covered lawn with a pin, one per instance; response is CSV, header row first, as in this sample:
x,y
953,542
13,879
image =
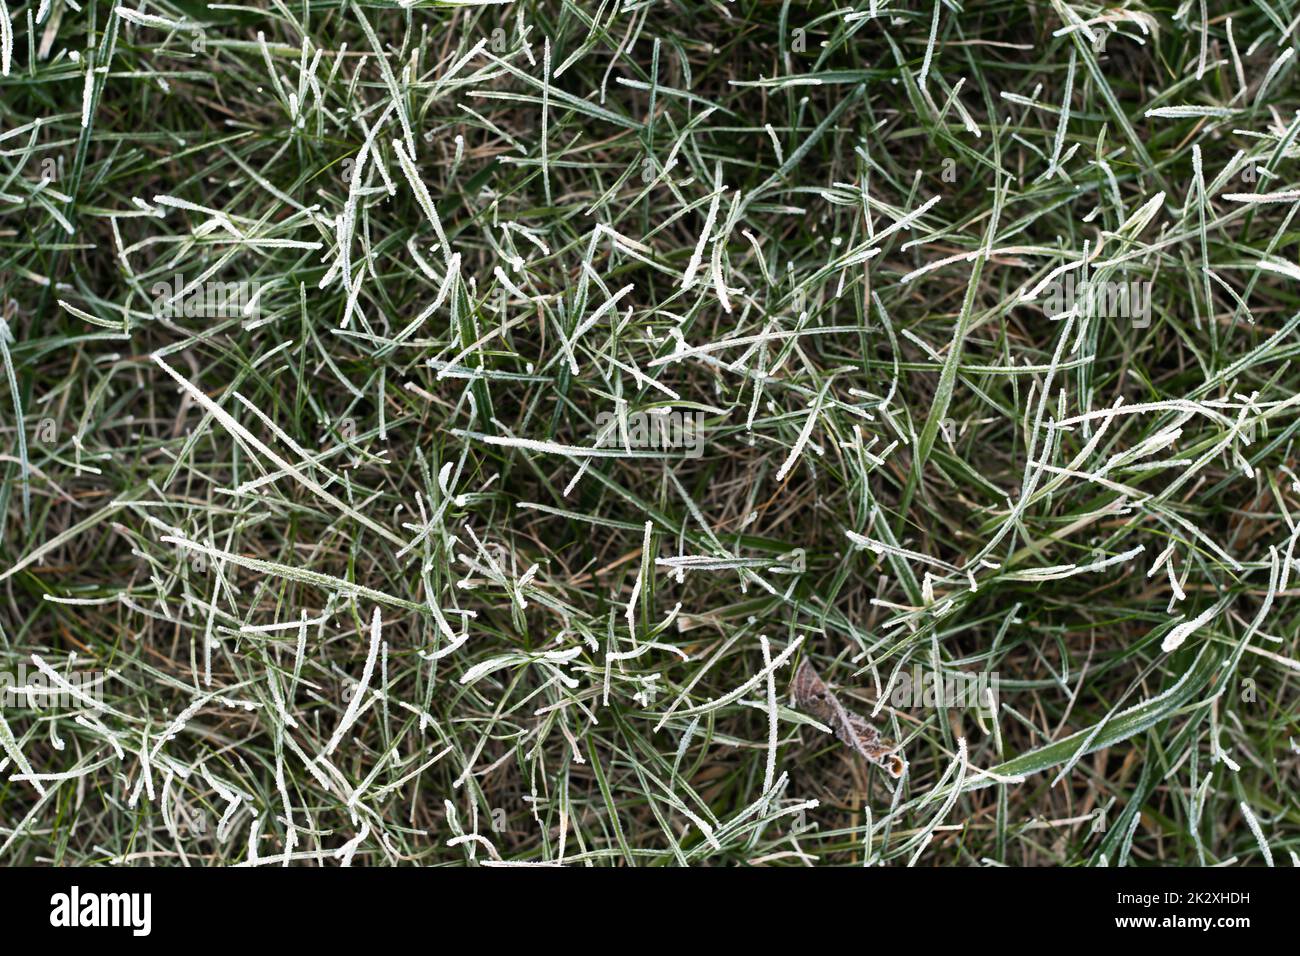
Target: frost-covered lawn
x,y
438,432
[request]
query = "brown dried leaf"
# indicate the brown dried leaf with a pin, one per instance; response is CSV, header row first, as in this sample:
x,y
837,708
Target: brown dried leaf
x,y
814,698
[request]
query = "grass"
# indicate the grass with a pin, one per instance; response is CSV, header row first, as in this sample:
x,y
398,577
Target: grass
x,y
358,578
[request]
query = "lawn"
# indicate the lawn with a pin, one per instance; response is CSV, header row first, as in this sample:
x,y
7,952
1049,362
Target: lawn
x,y
437,433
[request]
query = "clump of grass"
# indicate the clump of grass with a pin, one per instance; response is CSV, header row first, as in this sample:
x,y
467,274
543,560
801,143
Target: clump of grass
x,y
358,578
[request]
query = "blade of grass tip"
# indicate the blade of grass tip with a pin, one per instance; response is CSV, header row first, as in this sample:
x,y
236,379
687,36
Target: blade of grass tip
x,y
6,39
1253,823
228,422
359,692
948,374
598,769
407,163
386,71
804,433
20,426
1064,121
546,119
1084,47
10,745
769,772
